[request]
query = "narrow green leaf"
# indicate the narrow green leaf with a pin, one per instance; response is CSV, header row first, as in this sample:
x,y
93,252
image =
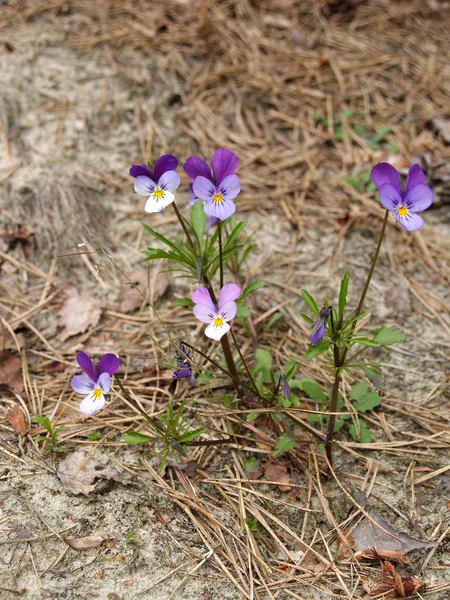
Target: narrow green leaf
x,y
307,319
188,436
290,368
252,416
319,348
44,421
343,293
182,302
365,341
310,302
198,221
256,285
386,336
133,438
274,318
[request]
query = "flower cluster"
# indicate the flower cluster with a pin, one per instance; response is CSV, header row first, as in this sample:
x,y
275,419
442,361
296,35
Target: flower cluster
x,y
218,316
96,382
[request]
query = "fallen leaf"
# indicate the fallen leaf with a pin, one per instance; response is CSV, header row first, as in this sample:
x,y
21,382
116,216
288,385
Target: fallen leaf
x,y
7,341
82,475
380,553
392,585
130,299
278,472
17,420
305,557
11,371
78,312
367,538
84,543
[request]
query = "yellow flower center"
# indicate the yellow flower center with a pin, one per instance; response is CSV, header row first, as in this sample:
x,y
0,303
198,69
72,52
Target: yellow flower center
x,y
217,197
97,393
218,322
402,211
158,193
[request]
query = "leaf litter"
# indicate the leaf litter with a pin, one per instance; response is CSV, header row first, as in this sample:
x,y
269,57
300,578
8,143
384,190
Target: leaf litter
x,y
81,474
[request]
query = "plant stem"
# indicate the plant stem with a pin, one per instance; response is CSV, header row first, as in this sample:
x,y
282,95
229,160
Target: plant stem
x,y
332,418
219,229
183,224
243,361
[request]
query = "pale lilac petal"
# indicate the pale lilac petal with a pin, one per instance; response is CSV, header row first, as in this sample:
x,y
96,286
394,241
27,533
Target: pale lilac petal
x,y
384,173
210,222
192,198
167,162
169,181
90,405
411,222
215,333
318,335
204,313
220,210
138,170
228,310
86,365
230,187
104,381
229,292
144,185
158,204
415,177
196,167
202,296
224,163
389,197
204,189
82,384
109,363
419,197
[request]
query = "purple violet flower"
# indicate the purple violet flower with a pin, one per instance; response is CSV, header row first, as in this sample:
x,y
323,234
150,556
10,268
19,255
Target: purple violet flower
x,y
96,382
217,317
285,387
404,205
318,327
219,188
192,199
159,185
184,370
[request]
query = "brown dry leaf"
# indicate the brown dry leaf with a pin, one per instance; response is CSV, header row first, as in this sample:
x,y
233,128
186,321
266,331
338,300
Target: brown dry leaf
x,y
84,543
17,420
11,371
82,475
78,312
306,558
367,537
380,553
278,472
392,585
7,342
130,299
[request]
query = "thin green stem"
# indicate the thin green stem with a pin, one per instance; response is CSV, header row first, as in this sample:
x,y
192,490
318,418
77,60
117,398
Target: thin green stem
x,y
219,229
244,362
183,225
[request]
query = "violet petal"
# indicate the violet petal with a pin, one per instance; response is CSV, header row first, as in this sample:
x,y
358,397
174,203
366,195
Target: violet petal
x,y
90,405
419,197
169,181
229,292
389,197
410,222
196,167
383,173
228,310
230,187
224,163
415,176
144,186
204,313
220,210
167,162
82,384
318,335
204,189
104,381
86,365
137,170
109,363
202,296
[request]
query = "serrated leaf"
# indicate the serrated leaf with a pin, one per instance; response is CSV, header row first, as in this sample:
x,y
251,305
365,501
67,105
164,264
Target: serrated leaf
x,y
386,336
242,309
367,402
310,302
133,438
343,293
256,285
317,349
283,444
263,358
358,390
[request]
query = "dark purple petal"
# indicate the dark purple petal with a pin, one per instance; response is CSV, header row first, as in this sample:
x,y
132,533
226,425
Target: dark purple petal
x,y
318,335
389,197
182,374
109,363
415,177
224,163
220,210
419,197
86,365
196,167
204,189
167,162
169,181
104,381
202,296
411,222
230,187
285,387
138,170
383,173
229,292
204,313
82,384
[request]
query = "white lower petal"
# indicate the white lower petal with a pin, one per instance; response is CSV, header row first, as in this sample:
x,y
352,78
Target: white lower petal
x,y
90,405
216,332
158,204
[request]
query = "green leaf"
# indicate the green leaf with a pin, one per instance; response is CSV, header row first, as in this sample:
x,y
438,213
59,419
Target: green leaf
x,y
183,302
314,418
44,422
365,435
317,349
228,401
283,444
274,318
256,285
198,221
251,464
367,402
365,341
263,358
343,293
290,368
188,436
312,389
310,302
242,309
338,133
358,390
234,234
307,319
94,436
252,416
133,438
386,336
